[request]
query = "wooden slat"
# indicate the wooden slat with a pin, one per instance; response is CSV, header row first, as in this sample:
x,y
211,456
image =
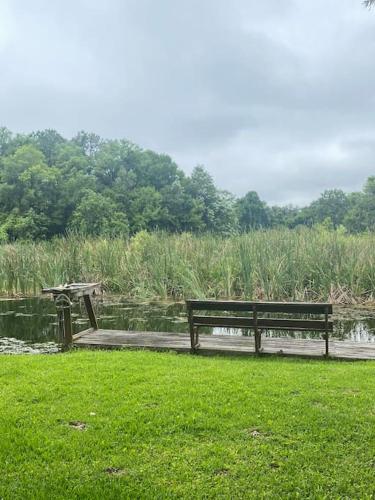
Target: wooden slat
x,y
76,336
295,324
74,289
241,305
262,323
68,327
224,321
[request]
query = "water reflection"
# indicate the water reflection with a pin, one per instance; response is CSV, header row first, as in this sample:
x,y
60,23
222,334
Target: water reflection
x,y
29,325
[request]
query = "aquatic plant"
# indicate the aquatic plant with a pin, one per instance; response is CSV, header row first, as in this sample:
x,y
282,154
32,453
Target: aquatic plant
x,y
300,264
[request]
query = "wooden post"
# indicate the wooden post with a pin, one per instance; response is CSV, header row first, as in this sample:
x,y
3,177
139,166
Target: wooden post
x,y
326,335
196,340
256,331
64,314
191,325
68,327
60,322
90,312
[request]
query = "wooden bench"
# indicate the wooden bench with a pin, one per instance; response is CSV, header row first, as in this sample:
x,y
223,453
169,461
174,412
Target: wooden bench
x,y
253,320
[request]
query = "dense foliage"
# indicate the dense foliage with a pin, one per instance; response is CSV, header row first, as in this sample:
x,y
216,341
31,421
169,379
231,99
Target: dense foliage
x,y
49,185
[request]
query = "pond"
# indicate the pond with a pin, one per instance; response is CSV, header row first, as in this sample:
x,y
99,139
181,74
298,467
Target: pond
x,y
29,325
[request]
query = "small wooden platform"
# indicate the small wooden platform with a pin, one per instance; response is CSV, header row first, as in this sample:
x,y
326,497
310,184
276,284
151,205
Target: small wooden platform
x,y
222,344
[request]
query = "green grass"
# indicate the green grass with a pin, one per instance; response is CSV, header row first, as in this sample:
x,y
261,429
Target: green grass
x,y
301,264
180,426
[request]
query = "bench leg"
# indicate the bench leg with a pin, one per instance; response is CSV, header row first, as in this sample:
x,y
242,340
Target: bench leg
x,y
327,345
194,339
257,341
192,342
327,335
196,344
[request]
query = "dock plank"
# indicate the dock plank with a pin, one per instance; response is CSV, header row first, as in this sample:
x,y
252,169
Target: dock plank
x,y
231,344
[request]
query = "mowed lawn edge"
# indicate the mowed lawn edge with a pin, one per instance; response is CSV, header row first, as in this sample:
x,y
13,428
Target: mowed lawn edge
x,y
128,424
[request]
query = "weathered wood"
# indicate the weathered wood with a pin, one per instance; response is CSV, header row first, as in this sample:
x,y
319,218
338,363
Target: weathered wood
x,y
327,330
74,290
82,333
263,323
68,327
90,312
60,323
223,344
278,307
191,326
260,324
257,334
63,296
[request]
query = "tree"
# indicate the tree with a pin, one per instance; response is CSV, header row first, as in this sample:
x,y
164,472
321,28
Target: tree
x,y
146,210
361,215
369,3
226,214
29,191
5,140
332,204
113,165
49,184
23,158
89,142
27,226
252,212
97,215
283,216
155,170
214,208
179,208
48,142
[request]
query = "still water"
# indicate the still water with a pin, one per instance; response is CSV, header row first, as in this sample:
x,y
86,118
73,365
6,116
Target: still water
x,y
29,325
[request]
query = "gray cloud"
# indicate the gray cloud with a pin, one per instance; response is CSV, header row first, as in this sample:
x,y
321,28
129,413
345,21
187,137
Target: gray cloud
x,y
277,96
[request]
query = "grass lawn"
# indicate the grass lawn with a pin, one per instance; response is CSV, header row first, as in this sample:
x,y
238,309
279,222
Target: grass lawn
x,y
110,425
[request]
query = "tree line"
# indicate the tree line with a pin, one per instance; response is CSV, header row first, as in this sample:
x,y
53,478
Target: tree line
x,y
50,185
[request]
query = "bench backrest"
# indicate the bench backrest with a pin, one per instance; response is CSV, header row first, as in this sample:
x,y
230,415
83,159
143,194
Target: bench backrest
x,y
256,322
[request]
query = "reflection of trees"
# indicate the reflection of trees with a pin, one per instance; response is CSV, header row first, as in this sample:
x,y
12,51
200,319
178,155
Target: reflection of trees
x,y
348,329
152,317
357,331
28,320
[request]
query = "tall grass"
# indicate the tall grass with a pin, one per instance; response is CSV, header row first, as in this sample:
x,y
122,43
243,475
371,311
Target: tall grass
x,y
303,264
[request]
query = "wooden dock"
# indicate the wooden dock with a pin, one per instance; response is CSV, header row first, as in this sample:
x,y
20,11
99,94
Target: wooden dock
x,y
222,344
214,344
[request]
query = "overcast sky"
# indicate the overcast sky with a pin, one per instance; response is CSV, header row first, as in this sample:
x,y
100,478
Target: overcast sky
x,y
276,96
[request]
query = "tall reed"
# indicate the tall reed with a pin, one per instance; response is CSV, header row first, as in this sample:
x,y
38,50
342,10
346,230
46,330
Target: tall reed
x,y
301,264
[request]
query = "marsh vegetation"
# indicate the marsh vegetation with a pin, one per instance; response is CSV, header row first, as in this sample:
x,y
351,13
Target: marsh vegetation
x,y
275,264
